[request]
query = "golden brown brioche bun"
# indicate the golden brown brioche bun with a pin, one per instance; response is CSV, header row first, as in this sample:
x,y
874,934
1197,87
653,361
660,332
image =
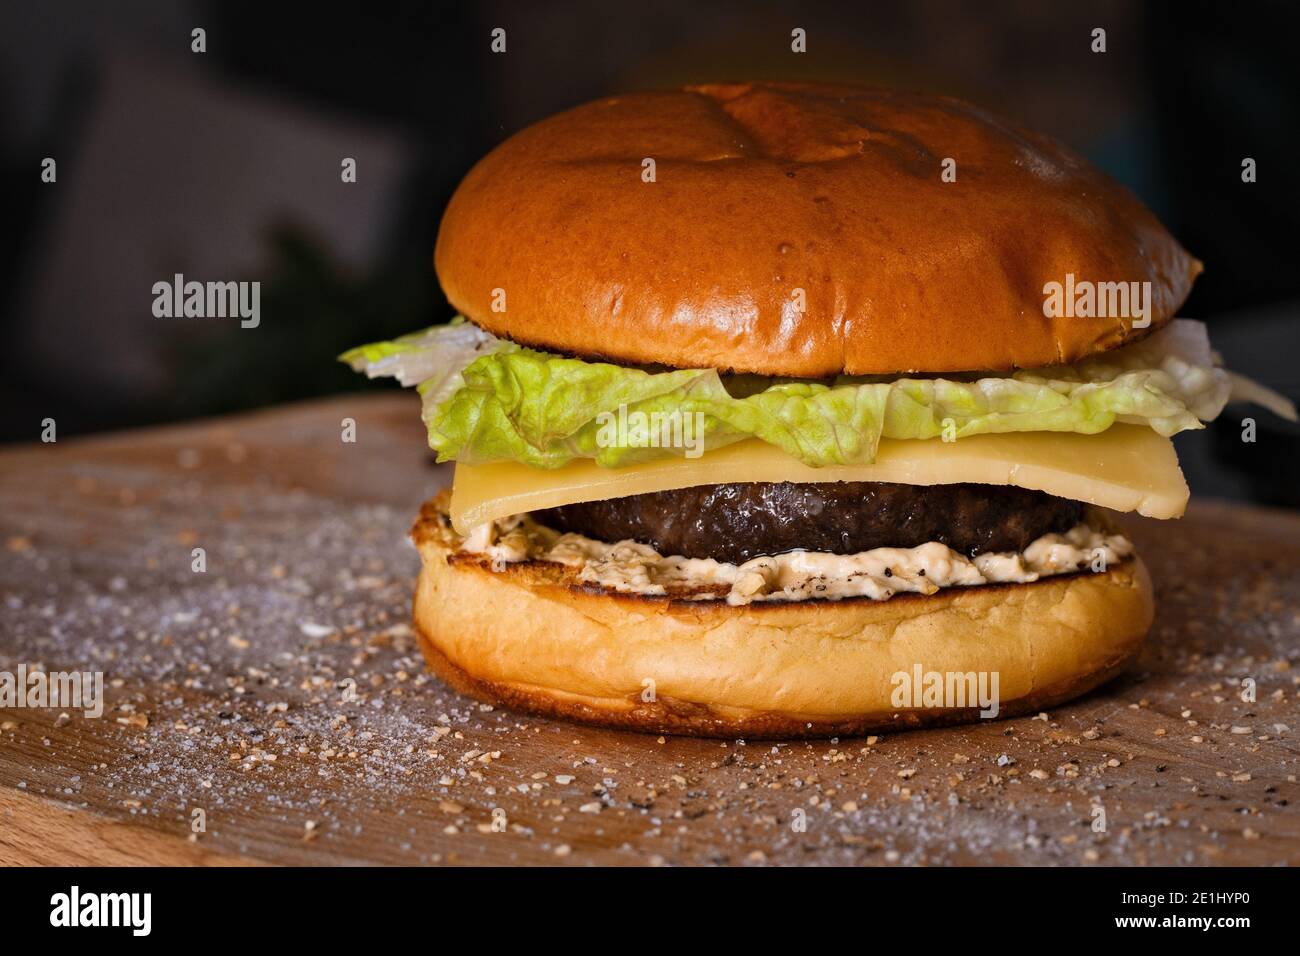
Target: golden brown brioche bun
x,y
531,638
762,188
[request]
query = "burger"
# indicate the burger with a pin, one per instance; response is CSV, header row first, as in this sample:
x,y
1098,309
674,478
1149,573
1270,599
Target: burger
x,y
788,410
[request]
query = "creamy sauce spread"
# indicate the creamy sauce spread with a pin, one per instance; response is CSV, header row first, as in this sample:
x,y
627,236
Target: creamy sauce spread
x,y
879,574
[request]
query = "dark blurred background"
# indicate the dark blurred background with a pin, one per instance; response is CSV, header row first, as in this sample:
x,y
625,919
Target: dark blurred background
x,y
225,165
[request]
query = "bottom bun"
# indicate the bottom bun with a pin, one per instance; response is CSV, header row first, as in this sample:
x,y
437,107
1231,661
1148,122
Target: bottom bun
x,y
529,637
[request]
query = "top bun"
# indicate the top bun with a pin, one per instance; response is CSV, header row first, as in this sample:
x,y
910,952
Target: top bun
x,y
762,189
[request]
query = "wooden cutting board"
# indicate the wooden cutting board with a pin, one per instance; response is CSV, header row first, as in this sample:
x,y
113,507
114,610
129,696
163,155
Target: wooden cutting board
x,y
278,696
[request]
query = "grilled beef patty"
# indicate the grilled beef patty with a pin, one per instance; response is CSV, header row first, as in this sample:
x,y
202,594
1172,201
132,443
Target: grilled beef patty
x,y
736,522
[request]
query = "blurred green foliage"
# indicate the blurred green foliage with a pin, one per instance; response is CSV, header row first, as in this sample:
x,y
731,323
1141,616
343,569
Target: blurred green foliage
x,y
312,309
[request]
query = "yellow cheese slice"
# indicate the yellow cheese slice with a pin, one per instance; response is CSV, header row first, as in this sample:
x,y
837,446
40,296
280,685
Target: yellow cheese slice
x,y
1125,468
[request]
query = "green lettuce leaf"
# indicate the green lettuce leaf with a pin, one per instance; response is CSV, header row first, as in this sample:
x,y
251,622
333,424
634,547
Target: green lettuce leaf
x,y
432,358
487,400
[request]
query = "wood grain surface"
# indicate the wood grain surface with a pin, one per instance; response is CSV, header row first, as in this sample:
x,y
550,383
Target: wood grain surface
x,y
273,706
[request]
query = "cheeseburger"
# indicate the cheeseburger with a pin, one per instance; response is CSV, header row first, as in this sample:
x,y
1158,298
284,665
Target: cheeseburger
x,y
786,409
